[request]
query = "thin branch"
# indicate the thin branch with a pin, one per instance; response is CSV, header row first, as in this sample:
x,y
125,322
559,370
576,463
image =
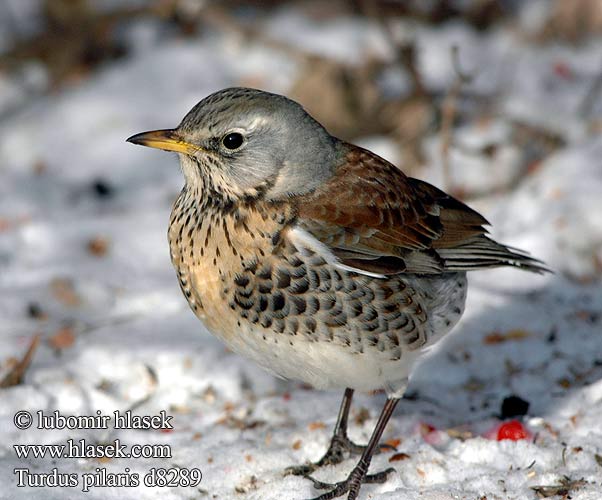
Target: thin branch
x,y
591,96
449,111
15,376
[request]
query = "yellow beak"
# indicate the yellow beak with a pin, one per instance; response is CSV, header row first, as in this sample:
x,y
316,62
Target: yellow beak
x,y
167,140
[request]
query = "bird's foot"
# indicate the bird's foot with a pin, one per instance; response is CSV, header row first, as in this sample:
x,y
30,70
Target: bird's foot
x,y
351,485
340,446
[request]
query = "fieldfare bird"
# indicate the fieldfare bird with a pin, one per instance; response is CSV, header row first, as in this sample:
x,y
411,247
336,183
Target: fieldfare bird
x,y
317,259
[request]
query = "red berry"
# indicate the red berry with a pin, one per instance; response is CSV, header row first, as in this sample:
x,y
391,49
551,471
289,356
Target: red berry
x,y
431,434
426,428
513,430
563,70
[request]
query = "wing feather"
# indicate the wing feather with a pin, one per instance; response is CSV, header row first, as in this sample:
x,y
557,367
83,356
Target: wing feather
x,y
374,219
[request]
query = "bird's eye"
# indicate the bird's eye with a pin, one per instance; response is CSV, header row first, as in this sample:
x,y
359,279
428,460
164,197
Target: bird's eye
x,y
233,140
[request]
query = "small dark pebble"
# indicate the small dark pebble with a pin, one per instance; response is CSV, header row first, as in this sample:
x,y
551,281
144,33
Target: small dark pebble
x,y
102,189
552,335
513,406
34,310
411,395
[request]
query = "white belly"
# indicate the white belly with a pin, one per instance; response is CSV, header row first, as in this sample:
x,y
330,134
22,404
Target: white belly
x,y
327,365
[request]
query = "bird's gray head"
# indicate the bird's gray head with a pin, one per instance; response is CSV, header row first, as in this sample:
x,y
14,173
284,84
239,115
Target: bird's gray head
x,y
246,143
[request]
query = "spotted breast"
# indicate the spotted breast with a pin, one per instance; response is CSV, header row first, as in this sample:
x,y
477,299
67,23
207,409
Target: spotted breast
x,y
272,292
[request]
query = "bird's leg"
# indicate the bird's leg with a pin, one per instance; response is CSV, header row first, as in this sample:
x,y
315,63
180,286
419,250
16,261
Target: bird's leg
x,y
359,474
339,443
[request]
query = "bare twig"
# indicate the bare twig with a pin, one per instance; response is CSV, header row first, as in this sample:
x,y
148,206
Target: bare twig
x,y
10,23
218,17
449,111
591,96
405,53
15,376
563,488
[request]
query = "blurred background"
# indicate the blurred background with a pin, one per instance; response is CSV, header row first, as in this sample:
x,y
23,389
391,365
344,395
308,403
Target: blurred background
x,y
498,102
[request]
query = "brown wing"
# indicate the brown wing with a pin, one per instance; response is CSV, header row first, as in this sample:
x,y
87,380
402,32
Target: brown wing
x,y
375,218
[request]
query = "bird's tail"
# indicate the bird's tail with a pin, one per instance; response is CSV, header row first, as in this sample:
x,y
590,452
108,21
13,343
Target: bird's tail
x,y
481,252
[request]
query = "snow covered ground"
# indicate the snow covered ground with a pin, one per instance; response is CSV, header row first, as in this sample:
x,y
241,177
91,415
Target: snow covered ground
x,y
84,263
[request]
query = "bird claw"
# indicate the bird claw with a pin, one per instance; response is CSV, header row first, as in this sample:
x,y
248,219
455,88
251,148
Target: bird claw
x,y
339,446
301,470
350,485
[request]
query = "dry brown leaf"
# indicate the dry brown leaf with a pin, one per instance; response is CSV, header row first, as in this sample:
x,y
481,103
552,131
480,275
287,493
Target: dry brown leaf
x,y
362,416
394,443
517,334
494,338
573,21
587,316
548,427
457,433
239,423
64,291
98,246
39,167
297,445
398,457
498,337
62,339
313,426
